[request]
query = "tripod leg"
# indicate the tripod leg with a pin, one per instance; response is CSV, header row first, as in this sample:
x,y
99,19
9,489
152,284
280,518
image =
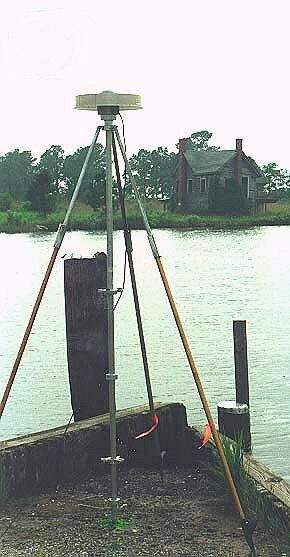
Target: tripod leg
x,y
57,244
182,334
129,250
81,176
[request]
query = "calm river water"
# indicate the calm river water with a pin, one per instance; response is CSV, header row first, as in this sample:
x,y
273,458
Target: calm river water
x,y
216,276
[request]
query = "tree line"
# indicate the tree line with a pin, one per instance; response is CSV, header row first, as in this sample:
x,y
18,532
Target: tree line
x,y
54,176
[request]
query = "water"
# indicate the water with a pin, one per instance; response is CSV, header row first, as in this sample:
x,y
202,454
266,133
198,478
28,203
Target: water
x,y
215,277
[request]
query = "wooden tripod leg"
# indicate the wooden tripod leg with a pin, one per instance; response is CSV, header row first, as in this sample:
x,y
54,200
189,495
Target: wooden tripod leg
x,y
200,387
57,244
245,523
28,331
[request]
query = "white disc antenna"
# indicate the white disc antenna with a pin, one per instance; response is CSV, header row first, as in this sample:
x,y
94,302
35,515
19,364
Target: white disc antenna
x,y
107,99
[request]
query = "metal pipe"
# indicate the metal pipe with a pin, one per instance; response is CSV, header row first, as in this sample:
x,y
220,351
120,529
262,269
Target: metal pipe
x,y
108,118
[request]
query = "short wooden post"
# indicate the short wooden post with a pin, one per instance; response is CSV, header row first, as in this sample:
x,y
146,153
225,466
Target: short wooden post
x,y
86,330
241,361
234,416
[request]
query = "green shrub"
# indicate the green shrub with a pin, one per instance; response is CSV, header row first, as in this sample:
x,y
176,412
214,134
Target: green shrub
x,y
14,219
26,206
6,202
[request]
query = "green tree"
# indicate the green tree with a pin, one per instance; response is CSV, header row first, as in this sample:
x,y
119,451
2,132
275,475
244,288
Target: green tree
x,y
16,173
200,141
141,167
278,180
93,186
163,164
153,171
42,194
52,161
96,193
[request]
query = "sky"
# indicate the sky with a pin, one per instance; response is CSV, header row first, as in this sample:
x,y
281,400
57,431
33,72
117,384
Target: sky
x,y
220,65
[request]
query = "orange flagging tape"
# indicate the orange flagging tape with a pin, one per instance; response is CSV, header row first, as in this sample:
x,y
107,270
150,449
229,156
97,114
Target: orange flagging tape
x,y
145,433
207,436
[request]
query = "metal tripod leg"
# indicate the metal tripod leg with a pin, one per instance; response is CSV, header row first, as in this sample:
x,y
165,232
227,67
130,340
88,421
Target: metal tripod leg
x,y
129,250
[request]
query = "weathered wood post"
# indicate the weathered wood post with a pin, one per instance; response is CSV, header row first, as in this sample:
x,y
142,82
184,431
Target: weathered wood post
x,y
86,330
241,362
234,416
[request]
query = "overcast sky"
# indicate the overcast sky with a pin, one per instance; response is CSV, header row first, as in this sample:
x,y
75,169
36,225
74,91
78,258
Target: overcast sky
x,y
220,65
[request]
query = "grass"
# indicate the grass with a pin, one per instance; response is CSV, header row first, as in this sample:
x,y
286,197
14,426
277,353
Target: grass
x,y
85,218
112,523
255,503
281,207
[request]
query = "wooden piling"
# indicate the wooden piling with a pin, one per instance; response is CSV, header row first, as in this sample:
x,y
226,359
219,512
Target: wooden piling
x,y
241,362
86,331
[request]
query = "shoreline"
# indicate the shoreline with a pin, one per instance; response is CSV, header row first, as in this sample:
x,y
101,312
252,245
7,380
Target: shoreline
x,y
19,222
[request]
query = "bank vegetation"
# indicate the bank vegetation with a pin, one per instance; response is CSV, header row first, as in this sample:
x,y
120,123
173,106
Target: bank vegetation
x,y
19,218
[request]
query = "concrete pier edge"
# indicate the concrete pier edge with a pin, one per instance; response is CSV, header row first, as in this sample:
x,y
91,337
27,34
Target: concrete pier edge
x,y
42,461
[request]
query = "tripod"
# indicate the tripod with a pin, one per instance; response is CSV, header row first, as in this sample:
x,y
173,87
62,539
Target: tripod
x,y
108,113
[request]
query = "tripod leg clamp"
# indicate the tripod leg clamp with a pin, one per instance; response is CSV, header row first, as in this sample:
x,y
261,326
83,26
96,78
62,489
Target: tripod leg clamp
x,y
110,460
60,235
111,376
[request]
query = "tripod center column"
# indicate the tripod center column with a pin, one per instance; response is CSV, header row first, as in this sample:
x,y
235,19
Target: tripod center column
x,y
108,114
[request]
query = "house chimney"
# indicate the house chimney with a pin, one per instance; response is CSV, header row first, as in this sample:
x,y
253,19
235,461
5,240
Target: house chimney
x,y
181,170
239,156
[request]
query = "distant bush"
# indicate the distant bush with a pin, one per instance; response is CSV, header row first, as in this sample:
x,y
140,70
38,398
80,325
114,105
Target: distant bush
x,y
6,202
14,219
26,206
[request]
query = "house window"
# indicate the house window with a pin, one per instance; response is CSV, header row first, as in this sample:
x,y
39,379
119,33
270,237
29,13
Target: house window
x,y
246,186
189,185
203,185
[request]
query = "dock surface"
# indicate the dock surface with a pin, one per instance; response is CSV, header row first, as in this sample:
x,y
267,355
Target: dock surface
x,y
188,515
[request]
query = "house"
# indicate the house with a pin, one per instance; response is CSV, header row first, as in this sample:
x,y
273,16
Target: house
x,y
198,172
